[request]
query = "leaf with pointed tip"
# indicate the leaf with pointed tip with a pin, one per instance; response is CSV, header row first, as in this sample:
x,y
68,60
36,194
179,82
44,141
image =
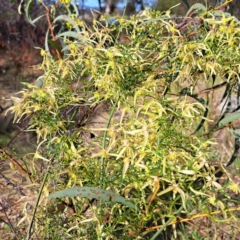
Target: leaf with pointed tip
x,y
36,19
56,46
229,119
28,5
93,193
197,7
20,7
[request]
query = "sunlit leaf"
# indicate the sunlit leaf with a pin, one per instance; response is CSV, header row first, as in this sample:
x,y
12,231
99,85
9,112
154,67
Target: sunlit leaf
x,y
187,172
20,6
126,162
198,192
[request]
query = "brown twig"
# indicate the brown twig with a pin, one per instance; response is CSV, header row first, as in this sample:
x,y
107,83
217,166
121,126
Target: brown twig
x,y
207,90
188,21
215,130
200,215
50,26
9,182
8,220
69,205
15,162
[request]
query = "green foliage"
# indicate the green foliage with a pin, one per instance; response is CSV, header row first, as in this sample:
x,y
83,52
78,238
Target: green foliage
x,y
228,119
119,115
163,5
93,193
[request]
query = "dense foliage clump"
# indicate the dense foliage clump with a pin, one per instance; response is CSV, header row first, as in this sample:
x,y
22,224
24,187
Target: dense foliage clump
x,y
121,111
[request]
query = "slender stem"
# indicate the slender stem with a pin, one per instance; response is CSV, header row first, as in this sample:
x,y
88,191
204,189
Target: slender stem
x,y
37,202
165,225
102,174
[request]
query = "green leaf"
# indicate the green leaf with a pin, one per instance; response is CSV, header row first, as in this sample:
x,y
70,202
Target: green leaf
x,y
36,19
75,9
186,3
92,192
196,7
40,81
46,41
28,12
67,19
229,119
56,46
70,34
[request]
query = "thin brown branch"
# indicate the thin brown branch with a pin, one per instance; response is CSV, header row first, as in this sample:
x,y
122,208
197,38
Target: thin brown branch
x,y
16,187
50,26
217,129
207,90
15,162
200,215
8,221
